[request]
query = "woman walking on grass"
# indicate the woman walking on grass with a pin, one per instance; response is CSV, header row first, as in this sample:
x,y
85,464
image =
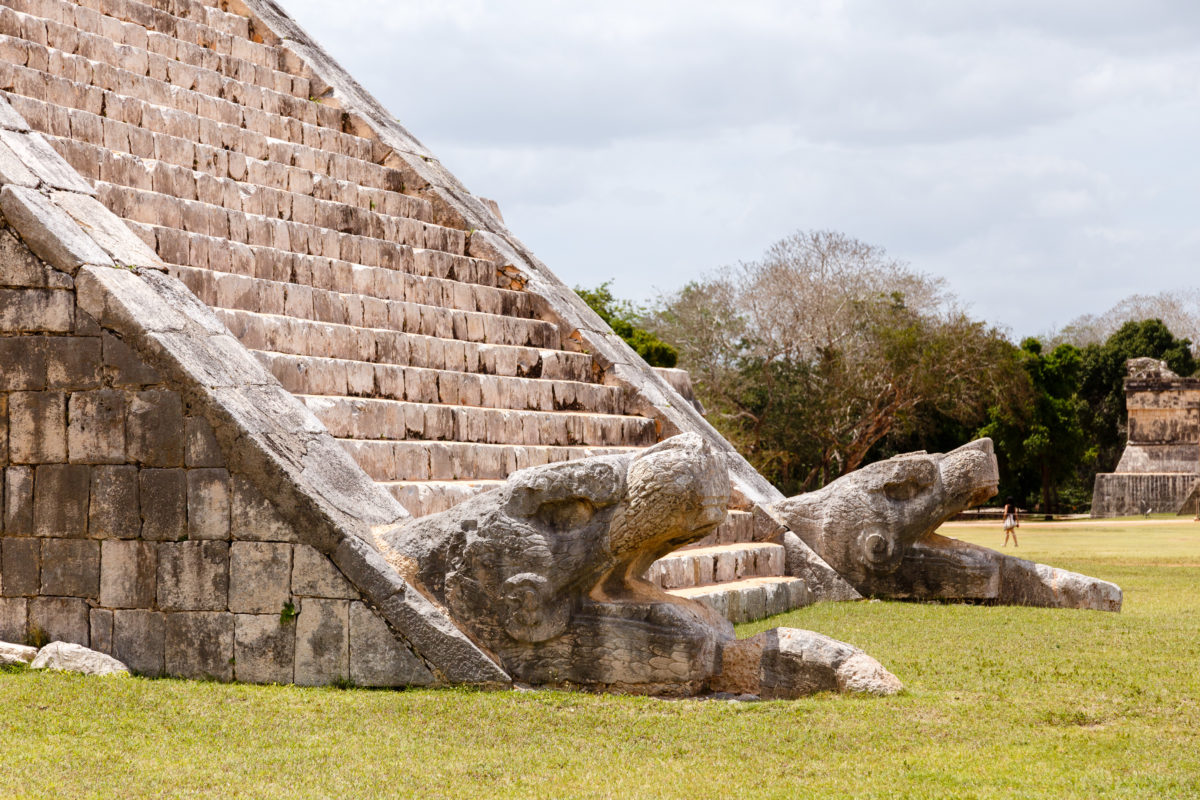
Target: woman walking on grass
x,y
1010,522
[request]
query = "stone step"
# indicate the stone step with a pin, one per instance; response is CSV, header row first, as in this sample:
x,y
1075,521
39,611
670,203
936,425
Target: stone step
x,y
238,292
737,527
363,418
226,88
66,100
723,563
431,277
237,183
420,498
210,34
300,337
457,461
344,378
271,185
750,599
391,250
285,166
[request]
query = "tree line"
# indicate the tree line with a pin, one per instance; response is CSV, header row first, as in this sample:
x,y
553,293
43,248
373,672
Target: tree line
x,y
826,354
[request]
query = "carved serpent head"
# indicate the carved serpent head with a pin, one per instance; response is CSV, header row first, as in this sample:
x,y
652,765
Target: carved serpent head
x,y
538,567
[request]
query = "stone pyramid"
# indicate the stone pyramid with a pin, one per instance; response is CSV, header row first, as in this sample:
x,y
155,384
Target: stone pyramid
x,y
247,319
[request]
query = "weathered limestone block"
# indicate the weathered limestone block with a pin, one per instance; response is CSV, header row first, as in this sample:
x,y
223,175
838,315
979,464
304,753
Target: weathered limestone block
x,y
199,644
14,617
49,231
96,427
201,448
155,429
138,640
128,574
16,654
68,657
18,501
73,362
60,500
264,648
19,267
259,577
114,510
40,310
124,368
25,363
43,160
37,432
62,619
71,568
163,494
314,575
377,658
208,503
193,576
875,526
20,566
322,641
253,516
100,629
106,229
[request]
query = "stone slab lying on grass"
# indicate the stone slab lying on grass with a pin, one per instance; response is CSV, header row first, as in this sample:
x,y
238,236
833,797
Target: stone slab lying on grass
x,y
16,654
785,663
67,657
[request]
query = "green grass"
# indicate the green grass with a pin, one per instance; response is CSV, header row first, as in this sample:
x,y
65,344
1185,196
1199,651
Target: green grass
x,y
1000,702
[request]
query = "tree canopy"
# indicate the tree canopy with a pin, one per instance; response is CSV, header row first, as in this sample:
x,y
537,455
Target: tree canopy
x,y
813,354
825,354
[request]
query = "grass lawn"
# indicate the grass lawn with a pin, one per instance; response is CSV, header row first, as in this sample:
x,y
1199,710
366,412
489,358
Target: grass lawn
x,y
1000,702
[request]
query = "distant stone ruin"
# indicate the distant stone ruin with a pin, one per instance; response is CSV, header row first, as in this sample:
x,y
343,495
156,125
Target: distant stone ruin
x,y
1159,471
282,401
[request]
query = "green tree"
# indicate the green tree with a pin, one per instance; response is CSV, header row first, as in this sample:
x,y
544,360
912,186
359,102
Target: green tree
x,y
811,356
1041,442
625,318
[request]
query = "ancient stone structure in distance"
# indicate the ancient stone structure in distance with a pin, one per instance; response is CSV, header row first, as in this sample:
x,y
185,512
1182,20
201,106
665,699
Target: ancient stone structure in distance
x,y
254,339
1159,471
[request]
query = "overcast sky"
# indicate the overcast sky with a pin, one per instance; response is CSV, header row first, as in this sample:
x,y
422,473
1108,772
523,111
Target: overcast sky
x,y
1040,156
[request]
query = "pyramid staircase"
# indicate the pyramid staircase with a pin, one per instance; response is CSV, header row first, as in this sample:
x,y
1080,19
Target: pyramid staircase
x,y
439,371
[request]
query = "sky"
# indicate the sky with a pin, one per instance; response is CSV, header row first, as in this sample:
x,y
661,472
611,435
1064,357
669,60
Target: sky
x,y
1040,157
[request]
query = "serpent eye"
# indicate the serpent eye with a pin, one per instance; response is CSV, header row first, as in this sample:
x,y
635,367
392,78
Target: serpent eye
x,y
562,515
902,490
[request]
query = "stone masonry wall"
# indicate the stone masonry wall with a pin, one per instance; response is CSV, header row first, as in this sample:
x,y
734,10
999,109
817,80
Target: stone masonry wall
x,y
123,530
1160,466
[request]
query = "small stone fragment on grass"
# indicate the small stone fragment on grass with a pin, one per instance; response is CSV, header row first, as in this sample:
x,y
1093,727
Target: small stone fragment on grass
x,y
16,654
67,657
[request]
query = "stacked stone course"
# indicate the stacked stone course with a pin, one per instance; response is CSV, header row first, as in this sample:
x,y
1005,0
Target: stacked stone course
x,y
1159,470
123,529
